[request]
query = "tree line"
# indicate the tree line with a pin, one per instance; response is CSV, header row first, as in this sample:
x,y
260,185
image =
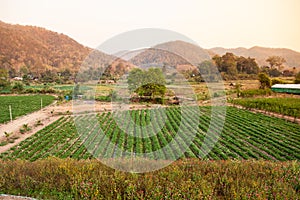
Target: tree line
x,y
230,66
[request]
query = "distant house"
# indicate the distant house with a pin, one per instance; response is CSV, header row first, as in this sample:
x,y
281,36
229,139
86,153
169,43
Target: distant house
x,y
18,78
286,88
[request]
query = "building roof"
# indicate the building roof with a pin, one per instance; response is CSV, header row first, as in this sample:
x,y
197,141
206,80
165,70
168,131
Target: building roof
x,y
287,86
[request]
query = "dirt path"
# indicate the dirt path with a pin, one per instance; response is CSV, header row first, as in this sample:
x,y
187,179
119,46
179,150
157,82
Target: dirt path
x,y
13,197
45,116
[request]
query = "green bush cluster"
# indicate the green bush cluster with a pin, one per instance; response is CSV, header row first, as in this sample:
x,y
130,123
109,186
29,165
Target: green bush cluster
x,y
255,92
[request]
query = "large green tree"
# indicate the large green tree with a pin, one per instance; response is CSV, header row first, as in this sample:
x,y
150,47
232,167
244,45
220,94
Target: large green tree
x,y
149,82
229,64
232,64
247,65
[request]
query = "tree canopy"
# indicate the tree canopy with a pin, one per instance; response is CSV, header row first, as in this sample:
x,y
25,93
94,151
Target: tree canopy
x,y
275,61
149,82
233,65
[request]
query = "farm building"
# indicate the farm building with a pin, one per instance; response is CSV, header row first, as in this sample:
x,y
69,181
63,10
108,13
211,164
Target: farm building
x,y
286,88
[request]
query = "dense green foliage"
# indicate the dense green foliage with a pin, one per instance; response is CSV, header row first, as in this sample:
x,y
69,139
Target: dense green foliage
x,y
149,82
285,106
22,105
245,135
4,79
232,65
254,92
297,78
185,179
265,81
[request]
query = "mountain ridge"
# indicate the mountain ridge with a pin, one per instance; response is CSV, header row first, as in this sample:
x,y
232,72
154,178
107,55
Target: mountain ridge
x,y
40,49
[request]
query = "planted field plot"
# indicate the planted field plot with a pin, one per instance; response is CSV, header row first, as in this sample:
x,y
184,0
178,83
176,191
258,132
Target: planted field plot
x,y
245,135
21,105
285,106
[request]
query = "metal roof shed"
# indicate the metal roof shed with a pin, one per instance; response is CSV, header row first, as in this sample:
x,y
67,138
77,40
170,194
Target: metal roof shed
x,y
286,88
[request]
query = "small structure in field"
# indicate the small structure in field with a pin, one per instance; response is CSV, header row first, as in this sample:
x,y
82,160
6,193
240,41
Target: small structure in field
x,y
286,88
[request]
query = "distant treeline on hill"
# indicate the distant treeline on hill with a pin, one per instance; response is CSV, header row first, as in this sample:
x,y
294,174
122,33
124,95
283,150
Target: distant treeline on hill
x,y
33,53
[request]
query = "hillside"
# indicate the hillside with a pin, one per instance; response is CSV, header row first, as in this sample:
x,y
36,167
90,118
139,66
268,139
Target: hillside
x,y
40,49
179,54
262,53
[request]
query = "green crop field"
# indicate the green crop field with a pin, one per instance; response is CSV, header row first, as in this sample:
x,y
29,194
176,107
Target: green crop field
x,y
245,135
58,87
22,105
285,106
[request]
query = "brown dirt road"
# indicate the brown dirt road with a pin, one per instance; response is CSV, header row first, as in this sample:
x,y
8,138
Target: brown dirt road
x,y
46,116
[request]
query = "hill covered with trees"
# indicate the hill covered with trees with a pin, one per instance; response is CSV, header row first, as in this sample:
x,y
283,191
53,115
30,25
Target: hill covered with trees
x,y
36,51
29,51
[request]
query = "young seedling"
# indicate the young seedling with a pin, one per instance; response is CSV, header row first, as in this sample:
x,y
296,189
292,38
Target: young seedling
x,y
25,128
38,123
7,134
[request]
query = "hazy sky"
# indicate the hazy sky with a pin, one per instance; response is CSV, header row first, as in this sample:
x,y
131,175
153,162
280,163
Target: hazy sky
x,y
211,23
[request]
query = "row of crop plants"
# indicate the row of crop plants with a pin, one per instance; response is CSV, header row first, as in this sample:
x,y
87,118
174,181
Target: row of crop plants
x,y
284,106
165,134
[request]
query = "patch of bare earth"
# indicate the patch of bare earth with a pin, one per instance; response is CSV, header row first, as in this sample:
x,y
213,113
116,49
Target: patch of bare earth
x,y
12,197
36,121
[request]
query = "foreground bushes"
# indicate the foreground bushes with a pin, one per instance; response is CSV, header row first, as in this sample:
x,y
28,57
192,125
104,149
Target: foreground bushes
x,y
188,179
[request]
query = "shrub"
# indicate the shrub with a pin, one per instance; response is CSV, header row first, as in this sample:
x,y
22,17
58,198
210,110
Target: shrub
x,y
255,92
277,81
18,87
265,81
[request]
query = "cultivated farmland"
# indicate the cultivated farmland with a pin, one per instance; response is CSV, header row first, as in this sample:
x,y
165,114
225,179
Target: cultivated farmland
x,y
245,135
22,105
284,106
